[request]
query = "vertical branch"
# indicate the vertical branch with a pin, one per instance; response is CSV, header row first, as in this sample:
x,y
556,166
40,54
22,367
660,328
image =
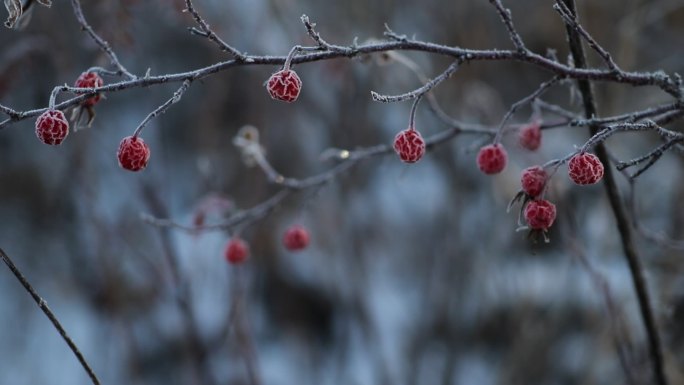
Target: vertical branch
x,y
197,350
46,310
624,228
238,318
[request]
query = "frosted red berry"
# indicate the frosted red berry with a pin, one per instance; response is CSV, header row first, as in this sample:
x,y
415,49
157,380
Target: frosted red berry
x,y
284,85
52,127
492,159
236,251
133,153
533,180
89,80
585,168
409,145
540,214
296,238
530,136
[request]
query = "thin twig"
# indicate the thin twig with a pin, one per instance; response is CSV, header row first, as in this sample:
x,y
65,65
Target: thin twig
x,y
78,11
207,32
50,315
241,218
418,91
161,109
651,158
310,29
571,21
506,18
615,316
528,99
238,317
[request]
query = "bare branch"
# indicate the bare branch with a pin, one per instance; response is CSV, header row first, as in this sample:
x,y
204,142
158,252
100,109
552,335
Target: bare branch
x,y
206,31
621,217
659,79
651,158
50,315
78,11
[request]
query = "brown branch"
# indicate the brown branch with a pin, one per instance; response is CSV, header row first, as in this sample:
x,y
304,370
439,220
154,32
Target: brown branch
x,y
51,316
78,11
624,228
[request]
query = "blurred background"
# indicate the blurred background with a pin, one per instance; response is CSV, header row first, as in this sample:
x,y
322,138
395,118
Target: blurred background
x,y
415,274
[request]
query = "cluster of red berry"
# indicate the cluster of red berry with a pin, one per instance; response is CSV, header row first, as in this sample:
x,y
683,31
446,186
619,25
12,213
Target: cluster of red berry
x,y
52,128
285,85
583,169
296,238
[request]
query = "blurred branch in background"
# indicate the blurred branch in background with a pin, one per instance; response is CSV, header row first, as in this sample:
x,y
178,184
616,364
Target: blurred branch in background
x,y
347,290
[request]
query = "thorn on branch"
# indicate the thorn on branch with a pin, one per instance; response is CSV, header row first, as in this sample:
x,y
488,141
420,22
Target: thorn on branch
x,y
394,36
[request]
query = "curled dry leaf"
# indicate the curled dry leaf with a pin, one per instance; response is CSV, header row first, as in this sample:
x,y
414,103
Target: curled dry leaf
x,y
15,10
19,13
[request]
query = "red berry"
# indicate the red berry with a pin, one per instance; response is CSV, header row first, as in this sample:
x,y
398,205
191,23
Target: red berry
x,y
540,214
492,159
533,180
284,85
296,238
52,127
133,153
585,168
89,80
409,145
236,251
530,136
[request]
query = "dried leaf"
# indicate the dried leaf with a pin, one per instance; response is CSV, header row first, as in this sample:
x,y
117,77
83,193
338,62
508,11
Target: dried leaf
x,y
14,9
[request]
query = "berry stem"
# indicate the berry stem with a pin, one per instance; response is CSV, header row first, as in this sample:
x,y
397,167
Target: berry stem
x,y
295,50
412,116
53,96
528,99
161,109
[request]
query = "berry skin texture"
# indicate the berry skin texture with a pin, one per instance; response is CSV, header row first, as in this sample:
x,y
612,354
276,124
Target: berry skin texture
x,y
133,153
409,145
236,251
492,159
533,180
296,238
585,168
540,214
89,80
52,127
530,136
284,85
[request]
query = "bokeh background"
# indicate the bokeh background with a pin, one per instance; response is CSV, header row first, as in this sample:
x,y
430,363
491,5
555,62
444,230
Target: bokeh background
x,y
415,274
